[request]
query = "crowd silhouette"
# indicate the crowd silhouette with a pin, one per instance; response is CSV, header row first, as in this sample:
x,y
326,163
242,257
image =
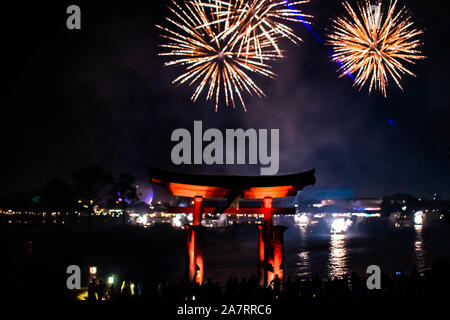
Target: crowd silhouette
x,y
432,284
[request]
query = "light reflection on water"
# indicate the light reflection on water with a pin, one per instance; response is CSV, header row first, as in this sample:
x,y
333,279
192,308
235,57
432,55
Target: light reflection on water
x,y
303,259
337,262
419,252
338,254
311,249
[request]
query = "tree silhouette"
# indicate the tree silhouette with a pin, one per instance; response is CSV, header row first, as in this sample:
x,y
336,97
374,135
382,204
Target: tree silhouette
x,y
55,195
125,193
91,185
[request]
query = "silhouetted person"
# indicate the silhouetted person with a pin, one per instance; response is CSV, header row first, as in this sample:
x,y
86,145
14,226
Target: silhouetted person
x,y
125,290
100,289
276,285
243,289
91,291
110,293
217,292
208,290
139,290
289,288
253,288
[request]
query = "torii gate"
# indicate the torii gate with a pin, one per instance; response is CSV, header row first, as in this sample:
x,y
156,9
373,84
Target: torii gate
x,y
200,187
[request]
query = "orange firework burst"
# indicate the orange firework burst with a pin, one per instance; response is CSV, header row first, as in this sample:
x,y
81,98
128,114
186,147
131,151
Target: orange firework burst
x,y
374,44
213,62
251,21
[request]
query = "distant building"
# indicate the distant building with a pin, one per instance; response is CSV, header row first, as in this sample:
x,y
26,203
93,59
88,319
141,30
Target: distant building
x,y
325,194
335,200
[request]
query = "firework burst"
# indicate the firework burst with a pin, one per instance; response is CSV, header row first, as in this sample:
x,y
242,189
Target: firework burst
x,y
223,43
375,44
211,62
251,21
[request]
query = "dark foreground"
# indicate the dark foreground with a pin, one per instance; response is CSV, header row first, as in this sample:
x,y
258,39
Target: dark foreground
x,y
34,262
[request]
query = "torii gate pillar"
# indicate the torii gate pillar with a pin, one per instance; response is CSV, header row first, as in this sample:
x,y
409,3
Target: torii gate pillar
x,y
264,242
270,247
194,255
278,251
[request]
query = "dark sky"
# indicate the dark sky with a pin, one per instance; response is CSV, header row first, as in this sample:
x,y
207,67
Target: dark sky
x,y
102,96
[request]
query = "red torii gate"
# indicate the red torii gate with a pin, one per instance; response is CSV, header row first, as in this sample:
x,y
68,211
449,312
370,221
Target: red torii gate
x,y
200,187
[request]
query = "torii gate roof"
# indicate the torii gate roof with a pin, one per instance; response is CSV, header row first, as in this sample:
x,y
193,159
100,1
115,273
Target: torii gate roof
x,y
248,187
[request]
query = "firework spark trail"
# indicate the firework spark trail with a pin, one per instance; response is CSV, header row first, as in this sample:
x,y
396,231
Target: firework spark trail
x,y
213,61
252,21
375,45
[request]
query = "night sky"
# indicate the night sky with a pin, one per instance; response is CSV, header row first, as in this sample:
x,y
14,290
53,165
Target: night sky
x,y
101,95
